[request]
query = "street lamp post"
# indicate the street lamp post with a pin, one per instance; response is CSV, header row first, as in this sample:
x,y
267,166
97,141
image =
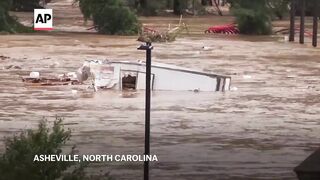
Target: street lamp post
x,y
148,48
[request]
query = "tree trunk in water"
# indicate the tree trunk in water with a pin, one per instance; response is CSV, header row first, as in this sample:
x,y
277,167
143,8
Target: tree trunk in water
x,y
315,23
204,2
223,3
292,20
217,6
177,7
136,3
169,5
302,20
143,3
193,7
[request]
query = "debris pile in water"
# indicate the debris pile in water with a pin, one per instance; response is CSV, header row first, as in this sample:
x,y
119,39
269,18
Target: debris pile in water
x,y
63,79
285,31
153,35
70,78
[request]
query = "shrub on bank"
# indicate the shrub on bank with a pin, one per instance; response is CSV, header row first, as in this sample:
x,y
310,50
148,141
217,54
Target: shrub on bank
x,y
26,5
7,22
110,16
146,8
116,20
279,8
17,162
252,17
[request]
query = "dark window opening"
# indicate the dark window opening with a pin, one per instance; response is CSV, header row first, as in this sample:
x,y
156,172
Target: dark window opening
x,y
129,82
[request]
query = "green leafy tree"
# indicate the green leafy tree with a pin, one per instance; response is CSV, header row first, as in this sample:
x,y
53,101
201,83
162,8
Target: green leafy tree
x,y
144,3
7,22
17,162
110,16
146,7
279,8
252,17
26,5
179,6
310,5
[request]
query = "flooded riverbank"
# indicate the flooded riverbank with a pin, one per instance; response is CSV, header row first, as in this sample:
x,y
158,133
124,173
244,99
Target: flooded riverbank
x,y
262,129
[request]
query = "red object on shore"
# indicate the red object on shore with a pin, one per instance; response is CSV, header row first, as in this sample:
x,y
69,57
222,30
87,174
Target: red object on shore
x,y
223,29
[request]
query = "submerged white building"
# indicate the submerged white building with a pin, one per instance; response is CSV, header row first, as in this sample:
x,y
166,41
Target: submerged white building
x,y
121,75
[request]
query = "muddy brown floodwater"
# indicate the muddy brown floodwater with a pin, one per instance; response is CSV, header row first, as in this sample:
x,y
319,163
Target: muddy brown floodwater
x,y
262,129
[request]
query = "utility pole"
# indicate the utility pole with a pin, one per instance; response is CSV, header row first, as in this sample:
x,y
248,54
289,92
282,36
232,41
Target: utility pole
x,y
148,48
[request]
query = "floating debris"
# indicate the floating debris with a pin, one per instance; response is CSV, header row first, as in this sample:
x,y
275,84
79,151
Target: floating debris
x,y
74,92
3,57
124,75
206,48
35,75
247,77
152,35
54,64
223,29
285,31
233,89
12,67
35,79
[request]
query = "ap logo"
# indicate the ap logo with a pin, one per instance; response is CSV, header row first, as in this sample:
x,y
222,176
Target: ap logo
x,y
43,19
